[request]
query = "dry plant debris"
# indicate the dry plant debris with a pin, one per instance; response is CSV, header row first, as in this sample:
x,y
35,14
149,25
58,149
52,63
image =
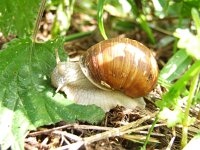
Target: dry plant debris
x,y
119,126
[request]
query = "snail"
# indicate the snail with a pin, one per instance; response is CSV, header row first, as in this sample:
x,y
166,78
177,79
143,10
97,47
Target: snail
x,y
117,71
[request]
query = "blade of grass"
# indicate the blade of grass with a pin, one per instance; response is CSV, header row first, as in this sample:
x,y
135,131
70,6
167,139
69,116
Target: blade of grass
x,y
100,18
141,19
195,17
149,134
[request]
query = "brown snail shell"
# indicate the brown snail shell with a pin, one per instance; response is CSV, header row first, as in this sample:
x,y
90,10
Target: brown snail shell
x,y
121,64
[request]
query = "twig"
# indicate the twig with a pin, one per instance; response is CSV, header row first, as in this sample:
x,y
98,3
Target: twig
x,y
29,144
142,128
49,130
111,132
139,138
89,127
75,126
69,135
160,30
63,139
172,140
74,146
146,132
44,142
116,131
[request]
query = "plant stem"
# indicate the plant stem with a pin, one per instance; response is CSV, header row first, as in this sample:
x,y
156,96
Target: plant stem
x,y
187,110
77,35
39,17
150,131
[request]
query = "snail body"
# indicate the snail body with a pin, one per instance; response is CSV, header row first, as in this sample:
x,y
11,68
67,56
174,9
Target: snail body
x,y
78,88
117,71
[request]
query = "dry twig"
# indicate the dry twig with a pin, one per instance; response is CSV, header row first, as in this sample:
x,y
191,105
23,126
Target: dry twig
x,y
107,134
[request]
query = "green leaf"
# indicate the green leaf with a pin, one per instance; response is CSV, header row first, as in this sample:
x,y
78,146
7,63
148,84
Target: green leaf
x,y
27,99
174,69
182,8
170,98
188,5
18,17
